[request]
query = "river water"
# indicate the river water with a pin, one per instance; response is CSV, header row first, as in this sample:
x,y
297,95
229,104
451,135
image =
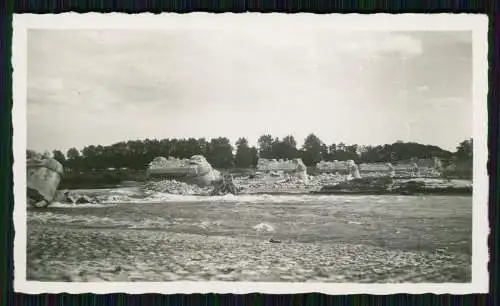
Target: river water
x,y
161,237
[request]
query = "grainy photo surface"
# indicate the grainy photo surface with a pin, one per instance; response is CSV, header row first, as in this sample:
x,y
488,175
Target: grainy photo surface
x,y
278,154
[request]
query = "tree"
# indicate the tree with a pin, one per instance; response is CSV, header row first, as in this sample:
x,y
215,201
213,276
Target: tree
x,y
324,152
73,154
312,150
464,150
254,154
243,158
59,156
289,148
276,149
136,154
265,143
370,154
220,153
88,157
331,152
73,159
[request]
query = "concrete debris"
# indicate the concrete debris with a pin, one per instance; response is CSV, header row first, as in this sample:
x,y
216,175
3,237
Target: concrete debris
x,y
74,198
196,170
375,167
327,179
264,183
398,170
386,185
434,183
347,167
177,187
225,186
84,199
42,180
333,166
281,168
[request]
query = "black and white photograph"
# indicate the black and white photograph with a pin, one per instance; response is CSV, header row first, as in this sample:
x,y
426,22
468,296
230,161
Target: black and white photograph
x,y
219,151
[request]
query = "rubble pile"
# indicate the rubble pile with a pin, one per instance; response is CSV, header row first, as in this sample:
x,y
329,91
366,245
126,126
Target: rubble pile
x,y
399,170
333,166
431,183
196,170
429,172
262,183
294,167
387,185
377,170
347,167
42,179
72,197
328,179
225,186
177,187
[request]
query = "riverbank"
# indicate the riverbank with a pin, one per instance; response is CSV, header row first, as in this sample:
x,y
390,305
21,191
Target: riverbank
x,y
127,255
272,186
315,238
412,186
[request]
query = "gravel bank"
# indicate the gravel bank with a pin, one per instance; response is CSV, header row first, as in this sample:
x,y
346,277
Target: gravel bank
x,y
117,255
322,239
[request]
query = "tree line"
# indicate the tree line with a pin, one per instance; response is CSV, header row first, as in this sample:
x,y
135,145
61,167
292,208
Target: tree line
x,y
136,154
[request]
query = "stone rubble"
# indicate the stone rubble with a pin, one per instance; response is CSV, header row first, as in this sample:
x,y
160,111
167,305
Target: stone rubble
x,y
277,168
196,170
43,175
343,167
177,187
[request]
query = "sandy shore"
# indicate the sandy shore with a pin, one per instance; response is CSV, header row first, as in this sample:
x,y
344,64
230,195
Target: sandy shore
x,y
86,255
322,239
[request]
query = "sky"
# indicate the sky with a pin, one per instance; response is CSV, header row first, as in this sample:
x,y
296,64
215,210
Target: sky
x,y
104,86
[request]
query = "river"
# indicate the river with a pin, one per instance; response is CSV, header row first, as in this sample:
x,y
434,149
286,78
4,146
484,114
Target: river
x,y
314,238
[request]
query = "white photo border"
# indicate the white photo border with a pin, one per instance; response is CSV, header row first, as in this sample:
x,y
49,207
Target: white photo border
x,y
477,24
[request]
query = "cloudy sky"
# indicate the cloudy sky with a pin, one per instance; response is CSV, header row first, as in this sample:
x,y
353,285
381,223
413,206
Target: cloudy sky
x,y
104,86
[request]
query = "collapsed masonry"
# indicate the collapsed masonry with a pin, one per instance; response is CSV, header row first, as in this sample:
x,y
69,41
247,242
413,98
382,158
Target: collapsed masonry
x,y
377,169
348,167
400,169
410,168
196,170
43,175
294,167
224,186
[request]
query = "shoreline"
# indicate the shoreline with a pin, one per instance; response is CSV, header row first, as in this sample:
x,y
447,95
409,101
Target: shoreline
x,y
381,186
222,258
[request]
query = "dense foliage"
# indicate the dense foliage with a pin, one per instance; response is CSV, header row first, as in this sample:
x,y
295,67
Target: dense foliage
x,y
136,154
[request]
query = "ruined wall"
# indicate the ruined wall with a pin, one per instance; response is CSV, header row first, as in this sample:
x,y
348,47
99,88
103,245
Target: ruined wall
x,y
374,167
294,167
264,164
196,170
423,167
427,168
347,167
377,170
42,178
425,163
333,166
